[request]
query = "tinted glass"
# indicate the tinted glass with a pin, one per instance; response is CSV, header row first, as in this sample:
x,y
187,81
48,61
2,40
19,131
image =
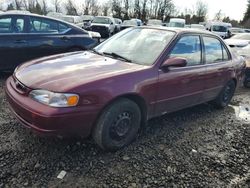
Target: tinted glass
x,y
213,50
62,28
219,28
188,47
5,25
11,25
39,25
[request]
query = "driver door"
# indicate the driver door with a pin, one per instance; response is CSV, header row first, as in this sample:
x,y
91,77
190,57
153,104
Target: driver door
x,y
181,87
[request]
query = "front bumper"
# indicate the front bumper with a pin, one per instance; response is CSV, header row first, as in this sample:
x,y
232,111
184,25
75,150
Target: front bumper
x,y
45,120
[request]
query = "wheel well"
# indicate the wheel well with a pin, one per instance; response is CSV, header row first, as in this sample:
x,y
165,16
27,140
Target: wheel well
x,y
133,97
140,102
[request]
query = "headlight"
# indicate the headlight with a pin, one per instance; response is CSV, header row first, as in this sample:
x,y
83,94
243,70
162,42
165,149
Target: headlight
x,y
54,99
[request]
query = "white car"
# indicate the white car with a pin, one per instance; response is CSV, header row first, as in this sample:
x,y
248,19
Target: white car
x,y
239,40
103,25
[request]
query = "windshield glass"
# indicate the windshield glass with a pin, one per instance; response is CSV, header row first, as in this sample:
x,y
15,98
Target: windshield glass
x,y
242,36
129,22
139,45
101,20
219,28
176,24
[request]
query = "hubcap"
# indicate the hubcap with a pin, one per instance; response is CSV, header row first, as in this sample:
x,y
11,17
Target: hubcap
x,y
121,126
227,93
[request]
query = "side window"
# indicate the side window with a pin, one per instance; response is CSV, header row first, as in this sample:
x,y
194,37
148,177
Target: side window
x,y
5,25
62,28
213,50
11,25
40,25
19,25
188,47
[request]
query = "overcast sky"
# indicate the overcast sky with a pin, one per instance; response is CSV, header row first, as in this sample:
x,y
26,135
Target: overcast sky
x,y
235,9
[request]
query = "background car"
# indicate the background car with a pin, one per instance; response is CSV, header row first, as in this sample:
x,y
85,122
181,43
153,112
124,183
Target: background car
x,y
239,40
86,21
103,25
236,30
130,23
244,51
154,22
111,91
25,36
118,23
197,26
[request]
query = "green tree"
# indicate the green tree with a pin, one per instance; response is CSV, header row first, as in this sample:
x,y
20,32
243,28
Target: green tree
x,y
246,19
10,7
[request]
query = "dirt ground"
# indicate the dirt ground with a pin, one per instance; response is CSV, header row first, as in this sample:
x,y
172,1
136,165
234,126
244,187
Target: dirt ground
x,y
197,147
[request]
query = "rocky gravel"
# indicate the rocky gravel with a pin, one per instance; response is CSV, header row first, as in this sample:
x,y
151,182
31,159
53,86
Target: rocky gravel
x,y
197,147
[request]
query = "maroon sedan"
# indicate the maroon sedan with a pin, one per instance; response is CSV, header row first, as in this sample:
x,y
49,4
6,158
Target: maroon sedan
x,y
110,92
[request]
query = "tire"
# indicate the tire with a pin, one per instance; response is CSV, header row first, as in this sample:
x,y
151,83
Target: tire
x,y
246,84
225,95
118,125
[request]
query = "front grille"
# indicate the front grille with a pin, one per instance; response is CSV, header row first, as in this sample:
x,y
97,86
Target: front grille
x,y
98,28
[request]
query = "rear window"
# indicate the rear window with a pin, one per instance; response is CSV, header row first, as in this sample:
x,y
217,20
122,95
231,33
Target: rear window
x,y
213,50
40,25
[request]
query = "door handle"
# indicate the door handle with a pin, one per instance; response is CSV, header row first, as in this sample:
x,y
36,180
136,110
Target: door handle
x,y
20,42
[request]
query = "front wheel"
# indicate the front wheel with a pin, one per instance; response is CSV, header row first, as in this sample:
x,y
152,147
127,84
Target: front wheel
x,y
118,125
226,95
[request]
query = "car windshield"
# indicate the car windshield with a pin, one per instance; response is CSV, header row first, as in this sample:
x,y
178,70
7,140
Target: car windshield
x,y
242,36
129,22
137,45
176,24
101,20
219,28
154,22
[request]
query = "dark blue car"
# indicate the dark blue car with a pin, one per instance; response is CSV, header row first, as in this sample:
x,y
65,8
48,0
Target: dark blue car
x,y
25,36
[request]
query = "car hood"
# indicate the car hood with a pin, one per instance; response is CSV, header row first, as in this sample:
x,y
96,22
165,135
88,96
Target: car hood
x,y
67,71
237,42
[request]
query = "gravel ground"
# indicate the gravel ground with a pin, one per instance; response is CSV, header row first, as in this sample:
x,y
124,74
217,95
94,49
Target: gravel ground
x,y
196,147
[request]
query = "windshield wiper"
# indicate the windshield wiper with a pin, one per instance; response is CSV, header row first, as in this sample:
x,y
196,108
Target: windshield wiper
x,y
115,55
96,52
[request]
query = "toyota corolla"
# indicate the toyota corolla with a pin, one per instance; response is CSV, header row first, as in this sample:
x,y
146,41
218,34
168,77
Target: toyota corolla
x,y
137,74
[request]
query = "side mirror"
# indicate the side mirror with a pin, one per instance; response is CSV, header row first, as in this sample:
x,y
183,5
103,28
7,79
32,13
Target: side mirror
x,y
174,62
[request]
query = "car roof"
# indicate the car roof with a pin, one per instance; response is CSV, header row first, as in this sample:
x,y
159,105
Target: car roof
x,y
21,13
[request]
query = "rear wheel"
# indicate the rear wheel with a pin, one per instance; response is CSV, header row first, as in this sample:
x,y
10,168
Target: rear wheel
x,y
118,125
226,95
246,84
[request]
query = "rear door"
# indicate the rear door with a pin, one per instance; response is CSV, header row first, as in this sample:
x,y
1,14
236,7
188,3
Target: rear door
x,y
219,66
180,87
13,41
47,37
